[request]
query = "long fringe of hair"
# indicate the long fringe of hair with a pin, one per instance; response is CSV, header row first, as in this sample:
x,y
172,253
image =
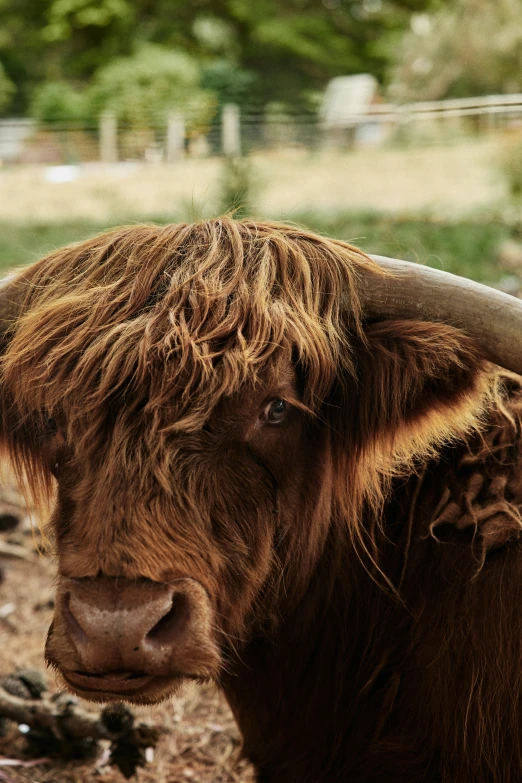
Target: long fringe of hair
x,y
155,324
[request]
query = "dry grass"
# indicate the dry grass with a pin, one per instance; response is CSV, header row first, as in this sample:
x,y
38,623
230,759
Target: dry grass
x,y
202,742
448,180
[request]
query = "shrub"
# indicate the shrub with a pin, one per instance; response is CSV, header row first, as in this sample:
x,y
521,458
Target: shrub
x,y
58,102
141,90
7,89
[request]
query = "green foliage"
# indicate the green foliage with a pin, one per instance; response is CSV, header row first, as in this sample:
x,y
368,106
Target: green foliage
x,y
23,244
215,35
230,83
58,102
61,40
66,16
284,48
7,89
511,165
141,90
469,47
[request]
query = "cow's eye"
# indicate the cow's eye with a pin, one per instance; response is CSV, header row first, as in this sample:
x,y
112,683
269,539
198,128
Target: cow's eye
x,y
275,411
52,426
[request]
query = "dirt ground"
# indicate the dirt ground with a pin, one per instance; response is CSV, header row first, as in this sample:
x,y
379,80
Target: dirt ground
x,y
202,742
446,180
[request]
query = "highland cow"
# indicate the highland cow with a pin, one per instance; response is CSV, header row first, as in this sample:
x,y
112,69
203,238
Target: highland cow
x,y
270,463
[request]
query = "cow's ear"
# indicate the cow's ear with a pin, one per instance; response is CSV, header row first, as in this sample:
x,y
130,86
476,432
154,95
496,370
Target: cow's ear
x,y
418,386
13,291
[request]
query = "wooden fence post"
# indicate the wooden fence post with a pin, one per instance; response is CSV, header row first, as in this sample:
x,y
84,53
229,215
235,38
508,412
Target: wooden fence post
x,y
108,138
231,131
175,137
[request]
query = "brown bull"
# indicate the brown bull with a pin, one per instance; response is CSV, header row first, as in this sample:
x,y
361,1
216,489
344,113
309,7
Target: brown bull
x,y
264,470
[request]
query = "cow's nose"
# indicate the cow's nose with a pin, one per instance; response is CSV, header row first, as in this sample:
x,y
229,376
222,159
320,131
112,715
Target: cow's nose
x,y
136,626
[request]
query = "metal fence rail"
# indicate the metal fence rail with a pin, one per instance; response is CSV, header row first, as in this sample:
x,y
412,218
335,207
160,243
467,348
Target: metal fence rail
x,y
500,105
230,133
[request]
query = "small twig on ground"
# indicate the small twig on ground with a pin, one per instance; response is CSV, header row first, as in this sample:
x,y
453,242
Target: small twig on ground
x,y
15,551
59,725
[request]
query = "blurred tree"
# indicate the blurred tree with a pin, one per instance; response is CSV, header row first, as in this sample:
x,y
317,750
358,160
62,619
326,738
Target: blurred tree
x,y
85,34
292,46
21,22
142,89
471,47
7,88
231,84
60,40
280,49
59,102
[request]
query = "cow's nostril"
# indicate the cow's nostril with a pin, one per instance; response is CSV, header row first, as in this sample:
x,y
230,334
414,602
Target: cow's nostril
x,y
73,626
118,633
172,624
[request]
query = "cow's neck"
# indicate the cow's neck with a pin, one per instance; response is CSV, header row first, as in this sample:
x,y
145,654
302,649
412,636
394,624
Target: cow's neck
x,y
299,697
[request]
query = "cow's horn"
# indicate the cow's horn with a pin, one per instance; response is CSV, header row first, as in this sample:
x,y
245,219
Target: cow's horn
x,y
492,318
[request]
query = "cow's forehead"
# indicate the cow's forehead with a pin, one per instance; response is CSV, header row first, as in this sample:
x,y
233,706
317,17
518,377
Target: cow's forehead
x,y
152,369
157,325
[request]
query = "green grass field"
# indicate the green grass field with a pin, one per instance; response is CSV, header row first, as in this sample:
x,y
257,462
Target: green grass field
x,y
466,248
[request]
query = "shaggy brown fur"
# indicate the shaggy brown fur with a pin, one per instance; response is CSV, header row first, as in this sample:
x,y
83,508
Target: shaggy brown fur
x,y
361,557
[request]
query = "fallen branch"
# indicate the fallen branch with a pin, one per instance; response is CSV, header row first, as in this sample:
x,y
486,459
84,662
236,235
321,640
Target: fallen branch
x,y
15,551
59,725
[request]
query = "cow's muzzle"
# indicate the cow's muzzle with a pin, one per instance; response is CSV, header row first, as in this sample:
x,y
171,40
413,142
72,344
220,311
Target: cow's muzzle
x,y
115,638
